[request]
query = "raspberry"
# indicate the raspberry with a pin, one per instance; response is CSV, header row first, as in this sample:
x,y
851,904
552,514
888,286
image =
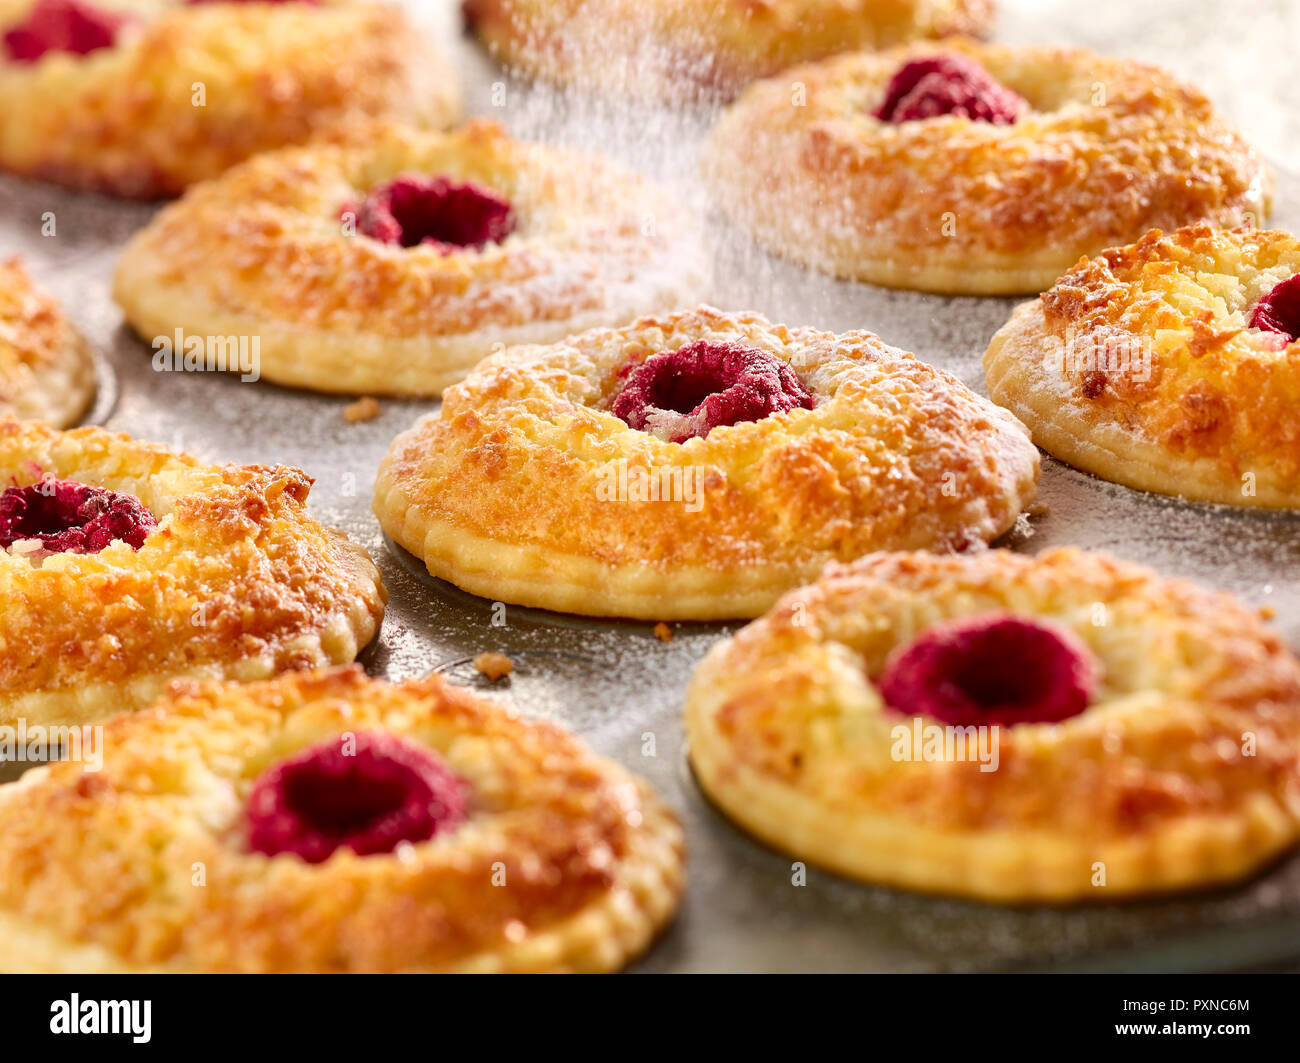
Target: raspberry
x,y
1279,310
71,517
992,668
948,84
370,799
688,392
61,26
439,211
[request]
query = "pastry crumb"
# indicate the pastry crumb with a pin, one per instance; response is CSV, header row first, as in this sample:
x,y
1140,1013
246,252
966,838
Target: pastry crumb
x,y
364,409
494,665
1267,612
663,632
1037,509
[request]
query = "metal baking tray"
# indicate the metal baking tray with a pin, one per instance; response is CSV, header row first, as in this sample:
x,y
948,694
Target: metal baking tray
x,y
619,686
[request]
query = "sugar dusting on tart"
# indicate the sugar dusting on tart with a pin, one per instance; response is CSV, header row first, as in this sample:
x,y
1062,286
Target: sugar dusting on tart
x,y
1012,164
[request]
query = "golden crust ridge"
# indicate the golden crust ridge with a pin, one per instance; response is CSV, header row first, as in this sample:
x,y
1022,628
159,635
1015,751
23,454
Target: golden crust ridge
x,y
567,861
237,581
1153,783
1139,365
123,120
504,491
46,369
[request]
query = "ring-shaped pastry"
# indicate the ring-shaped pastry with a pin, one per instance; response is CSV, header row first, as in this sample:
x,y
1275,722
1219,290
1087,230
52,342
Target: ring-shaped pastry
x,y
168,92
1171,365
339,824
47,372
981,170
682,49
123,566
1061,728
307,250
800,447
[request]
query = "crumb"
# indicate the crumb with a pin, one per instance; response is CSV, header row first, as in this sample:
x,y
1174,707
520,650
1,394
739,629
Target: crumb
x,y
663,632
494,665
1038,509
364,409
1093,384
1267,612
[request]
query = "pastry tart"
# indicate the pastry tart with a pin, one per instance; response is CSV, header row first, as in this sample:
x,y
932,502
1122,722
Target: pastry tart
x,y
123,565
979,170
326,822
696,466
1170,365
682,49
1062,728
142,98
390,261
46,369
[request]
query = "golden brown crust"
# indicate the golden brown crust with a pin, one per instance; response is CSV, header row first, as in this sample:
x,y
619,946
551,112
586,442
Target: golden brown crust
x,y
1183,772
566,862
237,581
46,369
961,207
679,49
1139,365
262,252
124,120
520,488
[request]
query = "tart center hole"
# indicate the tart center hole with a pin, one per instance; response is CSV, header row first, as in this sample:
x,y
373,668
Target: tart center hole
x,y
991,669
65,516
342,805
990,677
1279,310
681,394
414,210
683,389
62,26
368,796
949,85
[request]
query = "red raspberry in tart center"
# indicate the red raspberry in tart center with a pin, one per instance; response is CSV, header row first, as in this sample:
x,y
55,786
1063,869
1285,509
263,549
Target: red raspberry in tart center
x,y
434,210
1279,310
992,668
678,395
949,85
369,797
65,516
62,26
